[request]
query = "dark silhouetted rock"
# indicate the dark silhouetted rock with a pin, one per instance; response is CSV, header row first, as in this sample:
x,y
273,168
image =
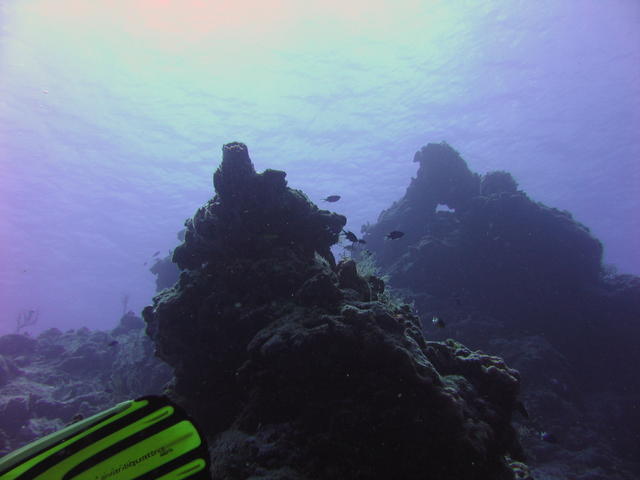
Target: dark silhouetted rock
x,y
511,257
523,280
166,273
297,368
497,182
445,175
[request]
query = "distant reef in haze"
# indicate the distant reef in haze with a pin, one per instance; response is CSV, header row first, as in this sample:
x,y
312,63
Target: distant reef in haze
x,y
522,280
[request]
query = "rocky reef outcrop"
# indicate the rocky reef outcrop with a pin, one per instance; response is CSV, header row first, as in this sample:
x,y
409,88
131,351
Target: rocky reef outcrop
x,y
530,266
48,380
525,281
165,271
299,369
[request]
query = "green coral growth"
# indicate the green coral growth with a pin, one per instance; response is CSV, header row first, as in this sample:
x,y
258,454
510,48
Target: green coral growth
x,y
367,267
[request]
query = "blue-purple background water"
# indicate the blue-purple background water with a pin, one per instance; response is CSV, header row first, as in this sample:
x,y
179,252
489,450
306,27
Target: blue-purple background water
x,y
112,116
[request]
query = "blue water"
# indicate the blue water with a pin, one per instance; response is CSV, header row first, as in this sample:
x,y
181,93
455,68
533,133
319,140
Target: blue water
x,y
104,154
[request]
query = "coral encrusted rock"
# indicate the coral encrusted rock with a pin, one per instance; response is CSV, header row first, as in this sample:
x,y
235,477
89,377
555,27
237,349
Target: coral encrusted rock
x,y
520,279
297,368
48,380
497,248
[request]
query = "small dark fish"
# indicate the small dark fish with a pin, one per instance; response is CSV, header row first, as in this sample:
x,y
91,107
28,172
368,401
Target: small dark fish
x,y
156,254
548,437
519,406
361,241
438,322
108,390
350,236
332,198
395,234
113,343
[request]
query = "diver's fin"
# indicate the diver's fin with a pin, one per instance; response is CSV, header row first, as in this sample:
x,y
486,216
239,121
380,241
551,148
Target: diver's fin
x,y
150,438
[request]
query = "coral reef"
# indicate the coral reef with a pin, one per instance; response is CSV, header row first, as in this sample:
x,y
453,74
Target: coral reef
x,y
48,380
298,367
524,281
527,265
497,182
166,272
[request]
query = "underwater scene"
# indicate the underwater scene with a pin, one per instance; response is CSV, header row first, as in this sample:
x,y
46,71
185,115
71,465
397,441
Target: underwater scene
x,y
313,240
